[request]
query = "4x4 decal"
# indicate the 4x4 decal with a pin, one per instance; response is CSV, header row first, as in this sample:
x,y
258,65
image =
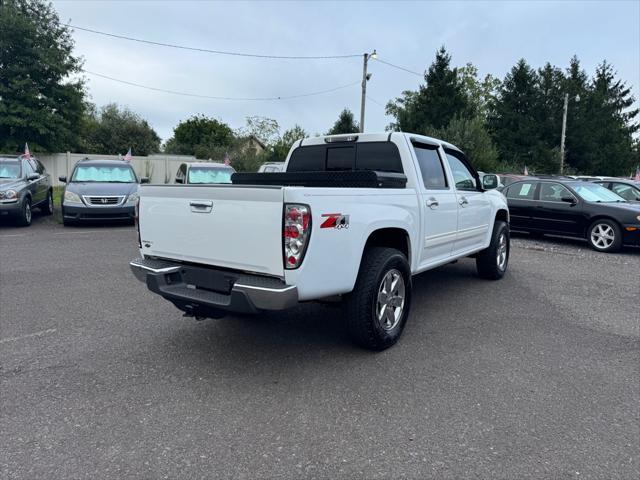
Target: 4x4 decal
x,y
335,220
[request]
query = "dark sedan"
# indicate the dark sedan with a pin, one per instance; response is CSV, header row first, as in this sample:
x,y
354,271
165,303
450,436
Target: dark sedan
x,y
100,190
574,208
627,189
24,184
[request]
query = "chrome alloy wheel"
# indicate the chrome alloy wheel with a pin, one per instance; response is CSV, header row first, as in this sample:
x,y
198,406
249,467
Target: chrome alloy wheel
x,y
390,302
501,255
602,236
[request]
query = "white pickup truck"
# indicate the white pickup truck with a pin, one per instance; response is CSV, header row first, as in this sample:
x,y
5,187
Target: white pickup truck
x,y
352,218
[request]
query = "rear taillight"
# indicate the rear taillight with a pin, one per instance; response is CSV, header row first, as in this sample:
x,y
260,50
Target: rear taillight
x,y
296,229
137,222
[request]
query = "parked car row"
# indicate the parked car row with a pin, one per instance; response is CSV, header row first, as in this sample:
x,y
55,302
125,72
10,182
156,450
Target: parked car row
x,y
576,208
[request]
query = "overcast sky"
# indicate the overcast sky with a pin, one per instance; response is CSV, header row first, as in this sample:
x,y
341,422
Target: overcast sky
x,y
491,35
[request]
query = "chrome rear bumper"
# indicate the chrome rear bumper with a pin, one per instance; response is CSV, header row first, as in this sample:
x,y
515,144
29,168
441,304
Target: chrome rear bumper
x,y
199,288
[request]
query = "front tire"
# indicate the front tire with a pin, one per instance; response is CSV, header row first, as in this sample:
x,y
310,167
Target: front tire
x,y
378,307
492,262
47,207
605,236
24,219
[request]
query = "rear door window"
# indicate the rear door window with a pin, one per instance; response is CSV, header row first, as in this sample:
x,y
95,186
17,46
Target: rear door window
x,y
430,166
553,192
522,191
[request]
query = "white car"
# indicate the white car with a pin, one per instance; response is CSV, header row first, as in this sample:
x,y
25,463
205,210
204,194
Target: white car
x,y
352,218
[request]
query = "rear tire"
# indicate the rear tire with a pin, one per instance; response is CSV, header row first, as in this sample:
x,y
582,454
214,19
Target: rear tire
x,y
47,206
378,307
24,218
605,235
492,262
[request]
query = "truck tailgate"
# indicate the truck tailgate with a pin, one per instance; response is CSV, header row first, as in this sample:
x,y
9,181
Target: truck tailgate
x,y
226,226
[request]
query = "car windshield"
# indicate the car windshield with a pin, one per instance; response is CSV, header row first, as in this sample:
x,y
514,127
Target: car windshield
x,y
104,173
9,168
596,193
209,175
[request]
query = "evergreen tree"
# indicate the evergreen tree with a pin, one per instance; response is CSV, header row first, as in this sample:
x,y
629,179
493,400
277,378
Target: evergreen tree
x,y
578,139
436,103
611,124
345,124
38,102
514,121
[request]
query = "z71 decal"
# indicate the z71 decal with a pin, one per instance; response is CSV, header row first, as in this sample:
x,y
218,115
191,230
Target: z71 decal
x,y
335,220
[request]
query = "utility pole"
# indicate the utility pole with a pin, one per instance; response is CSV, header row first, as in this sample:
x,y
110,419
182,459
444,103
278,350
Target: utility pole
x,y
365,78
564,131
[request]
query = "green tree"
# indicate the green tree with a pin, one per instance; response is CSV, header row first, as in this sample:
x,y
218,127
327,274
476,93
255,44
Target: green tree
x,y
280,149
471,136
39,104
514,121
264,129
480,93
436,103
612,125
114,130
201,136
578,138
345,124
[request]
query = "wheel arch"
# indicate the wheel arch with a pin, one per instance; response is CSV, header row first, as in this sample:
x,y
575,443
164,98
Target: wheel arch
x,y
595,218
392,237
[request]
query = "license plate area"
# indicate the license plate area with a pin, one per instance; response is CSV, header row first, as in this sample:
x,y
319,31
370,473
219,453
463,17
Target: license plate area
x,y
207,279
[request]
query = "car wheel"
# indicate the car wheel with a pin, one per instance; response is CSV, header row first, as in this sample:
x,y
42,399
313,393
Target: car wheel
x,y
605,236
24,220
47,207
378,307
492,262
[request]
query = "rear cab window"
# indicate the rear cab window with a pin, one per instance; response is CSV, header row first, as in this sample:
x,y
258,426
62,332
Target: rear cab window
x,y
379,156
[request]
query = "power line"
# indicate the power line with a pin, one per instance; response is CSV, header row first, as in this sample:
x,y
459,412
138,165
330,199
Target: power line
x,y
375,101
400,68
217,52
211,97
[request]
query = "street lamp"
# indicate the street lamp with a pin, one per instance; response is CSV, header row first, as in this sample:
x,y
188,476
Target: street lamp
x,y
564,128
365,78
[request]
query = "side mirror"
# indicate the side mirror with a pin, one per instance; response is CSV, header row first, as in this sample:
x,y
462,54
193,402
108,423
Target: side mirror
x,y
144,179
179,180
33,176
570,200
62,178
489,181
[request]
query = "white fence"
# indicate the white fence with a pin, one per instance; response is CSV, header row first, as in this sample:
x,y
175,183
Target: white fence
x,y
159,168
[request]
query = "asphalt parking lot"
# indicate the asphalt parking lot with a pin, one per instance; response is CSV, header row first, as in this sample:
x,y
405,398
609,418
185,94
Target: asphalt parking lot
x,y
535,376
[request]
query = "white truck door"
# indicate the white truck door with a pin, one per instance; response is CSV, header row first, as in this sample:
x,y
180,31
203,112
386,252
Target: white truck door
x,y
474,208
439,205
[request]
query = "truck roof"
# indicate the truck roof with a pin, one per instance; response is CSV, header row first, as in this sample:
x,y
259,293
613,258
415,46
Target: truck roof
x,y
372,137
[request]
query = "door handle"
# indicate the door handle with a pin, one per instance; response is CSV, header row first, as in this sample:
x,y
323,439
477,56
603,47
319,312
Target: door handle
x,y
201,206
432,203
463,201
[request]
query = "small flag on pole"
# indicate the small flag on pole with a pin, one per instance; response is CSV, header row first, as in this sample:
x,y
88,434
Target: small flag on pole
x,y
227,160
27,153
637,177
526,172
128,157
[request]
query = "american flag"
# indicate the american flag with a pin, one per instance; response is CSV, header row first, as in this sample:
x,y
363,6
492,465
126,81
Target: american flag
x,y
526,172
27,153
128,157
637,177
227,160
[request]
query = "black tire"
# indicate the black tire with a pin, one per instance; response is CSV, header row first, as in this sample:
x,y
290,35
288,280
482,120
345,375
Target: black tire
x,y
47,207
364,324
489,263
599,233
25,215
